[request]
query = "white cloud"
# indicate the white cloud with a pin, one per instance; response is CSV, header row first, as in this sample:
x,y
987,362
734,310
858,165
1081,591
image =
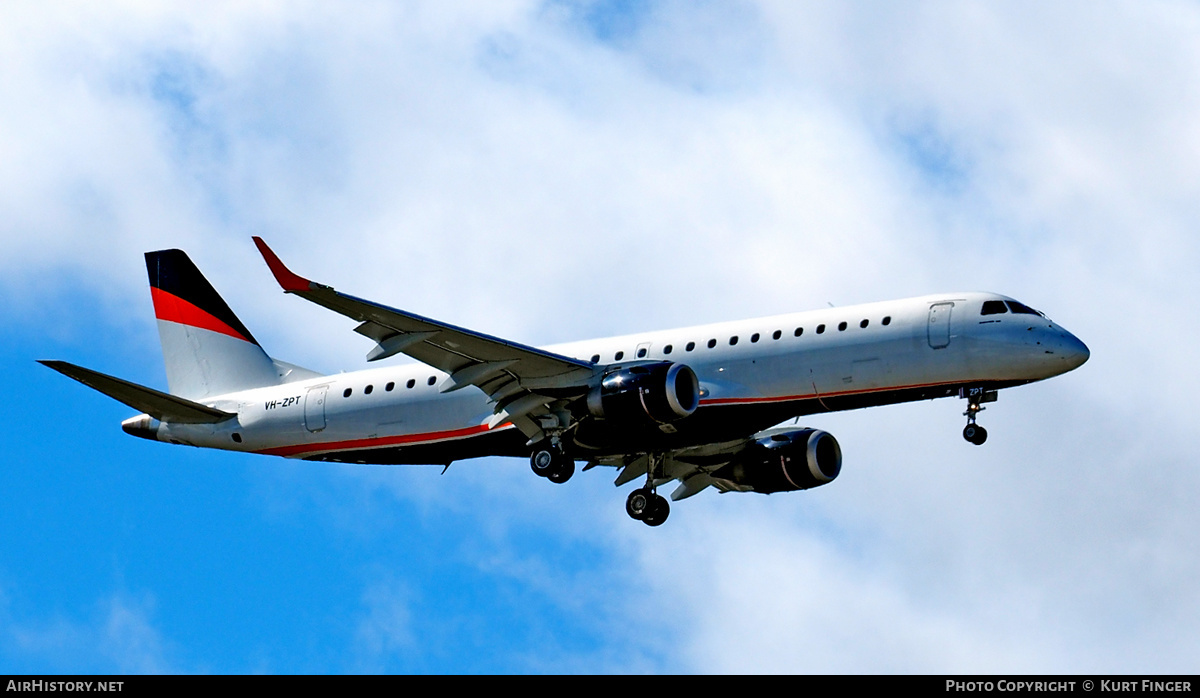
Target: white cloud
x,y
385,626
129,639
118,636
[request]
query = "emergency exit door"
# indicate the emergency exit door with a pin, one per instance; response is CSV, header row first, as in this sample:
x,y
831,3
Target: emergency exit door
x,y
314,408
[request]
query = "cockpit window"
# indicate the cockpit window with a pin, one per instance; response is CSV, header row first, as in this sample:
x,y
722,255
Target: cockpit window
x,y
1022,308
993,308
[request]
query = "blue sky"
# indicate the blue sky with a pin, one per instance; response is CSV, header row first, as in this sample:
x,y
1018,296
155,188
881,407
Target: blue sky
x,y
552,171
262,570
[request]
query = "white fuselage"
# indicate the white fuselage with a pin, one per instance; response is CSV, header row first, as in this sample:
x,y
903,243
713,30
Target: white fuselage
x,y
874,353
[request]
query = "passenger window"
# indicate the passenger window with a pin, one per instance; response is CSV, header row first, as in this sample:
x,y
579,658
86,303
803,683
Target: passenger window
x,y
887,320
390,386
993,308
820,329
841,327
618,356
777,335
432,380
733,340
347,391
799,331
668,349
690,346
411,382
368,389
595,358
712,343
754,338
864,324
642,353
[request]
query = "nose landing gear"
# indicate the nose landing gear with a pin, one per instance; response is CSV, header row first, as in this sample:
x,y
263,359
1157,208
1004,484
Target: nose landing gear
x,y
975,397
975,434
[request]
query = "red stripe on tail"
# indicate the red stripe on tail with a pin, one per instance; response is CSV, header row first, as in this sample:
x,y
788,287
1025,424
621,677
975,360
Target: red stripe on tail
x,y
172,308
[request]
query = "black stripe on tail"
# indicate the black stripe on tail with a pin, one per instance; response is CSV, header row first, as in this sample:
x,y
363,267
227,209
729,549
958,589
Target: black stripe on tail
x,y
172,271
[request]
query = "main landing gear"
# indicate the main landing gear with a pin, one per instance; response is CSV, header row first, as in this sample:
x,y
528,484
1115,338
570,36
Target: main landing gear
x,y
549,461
648,507
975,397
645,504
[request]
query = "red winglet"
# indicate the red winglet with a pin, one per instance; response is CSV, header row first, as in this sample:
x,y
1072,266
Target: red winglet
x,y
289,281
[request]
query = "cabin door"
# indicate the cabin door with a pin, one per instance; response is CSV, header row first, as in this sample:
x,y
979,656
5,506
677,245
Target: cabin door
x,y
939,325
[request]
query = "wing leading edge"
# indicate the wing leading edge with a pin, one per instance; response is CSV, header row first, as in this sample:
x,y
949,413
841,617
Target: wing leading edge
x,y
524,383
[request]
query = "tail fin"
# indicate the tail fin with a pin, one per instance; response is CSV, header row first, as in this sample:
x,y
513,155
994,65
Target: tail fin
x,y
207,350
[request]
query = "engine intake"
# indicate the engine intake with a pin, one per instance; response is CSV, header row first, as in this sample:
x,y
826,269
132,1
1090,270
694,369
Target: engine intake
x,y
659,391
785,462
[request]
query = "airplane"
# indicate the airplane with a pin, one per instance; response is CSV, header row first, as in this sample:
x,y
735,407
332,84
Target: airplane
x,y
695,405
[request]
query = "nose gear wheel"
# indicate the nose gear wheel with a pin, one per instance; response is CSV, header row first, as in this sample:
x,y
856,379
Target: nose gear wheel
x,y
975,434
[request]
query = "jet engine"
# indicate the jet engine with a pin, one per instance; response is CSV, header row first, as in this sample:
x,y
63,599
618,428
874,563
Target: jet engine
x,y
785,462
658,391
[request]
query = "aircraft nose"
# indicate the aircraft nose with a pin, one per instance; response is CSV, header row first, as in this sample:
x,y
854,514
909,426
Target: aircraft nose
x,y
1074,352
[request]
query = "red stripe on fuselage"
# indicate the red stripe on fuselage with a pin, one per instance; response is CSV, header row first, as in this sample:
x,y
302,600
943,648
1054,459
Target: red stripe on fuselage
x,y
377,442
818,396
172,308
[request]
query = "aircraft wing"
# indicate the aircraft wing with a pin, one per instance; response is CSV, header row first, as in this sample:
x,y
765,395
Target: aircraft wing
x,y
523,382
157,404
691,466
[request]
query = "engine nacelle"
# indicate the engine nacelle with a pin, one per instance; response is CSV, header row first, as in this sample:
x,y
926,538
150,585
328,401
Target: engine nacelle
x,y
785,462
659,392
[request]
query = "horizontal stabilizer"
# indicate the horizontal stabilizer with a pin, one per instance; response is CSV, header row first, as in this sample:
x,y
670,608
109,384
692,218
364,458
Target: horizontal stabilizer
x,y
161,406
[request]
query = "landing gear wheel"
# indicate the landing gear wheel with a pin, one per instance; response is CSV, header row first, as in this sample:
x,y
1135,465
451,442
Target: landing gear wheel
x,y
639,504
542,462
562,471
659,511
975,434
645,504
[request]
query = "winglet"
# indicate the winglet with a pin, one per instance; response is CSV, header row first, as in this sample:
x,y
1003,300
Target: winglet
x,y
290,282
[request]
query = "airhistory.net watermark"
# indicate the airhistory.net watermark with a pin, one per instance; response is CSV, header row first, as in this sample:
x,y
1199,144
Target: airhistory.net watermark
x,y
39,685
